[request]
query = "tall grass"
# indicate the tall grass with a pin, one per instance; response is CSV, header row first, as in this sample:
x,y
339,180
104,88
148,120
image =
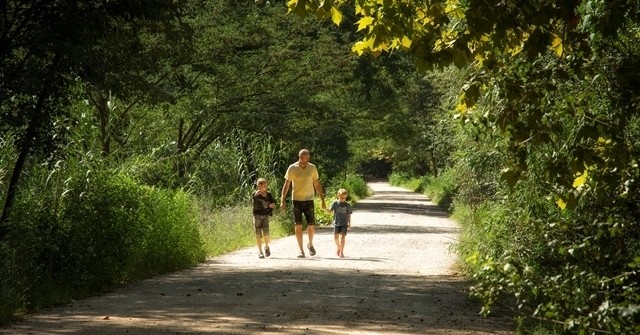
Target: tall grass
x,y
227,229
79,228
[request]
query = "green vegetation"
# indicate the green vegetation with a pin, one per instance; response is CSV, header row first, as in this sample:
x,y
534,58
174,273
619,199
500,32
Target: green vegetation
x,y
542,169
131,137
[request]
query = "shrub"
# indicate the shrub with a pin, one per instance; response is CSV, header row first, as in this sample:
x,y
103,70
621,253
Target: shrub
x,y
356,186
441,189
101,230
226,229
411,183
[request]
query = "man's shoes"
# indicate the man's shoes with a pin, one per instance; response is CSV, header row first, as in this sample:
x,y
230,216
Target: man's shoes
x,y
312,250
301,255
267,251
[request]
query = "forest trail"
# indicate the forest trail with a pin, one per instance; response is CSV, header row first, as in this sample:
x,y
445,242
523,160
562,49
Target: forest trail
x,y
398,277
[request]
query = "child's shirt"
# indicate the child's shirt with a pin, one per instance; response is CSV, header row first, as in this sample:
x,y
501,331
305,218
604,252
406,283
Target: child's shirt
x,y
261,203
341,212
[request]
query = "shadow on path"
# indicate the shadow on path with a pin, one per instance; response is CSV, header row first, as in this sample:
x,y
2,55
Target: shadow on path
x,y
369,293
278,301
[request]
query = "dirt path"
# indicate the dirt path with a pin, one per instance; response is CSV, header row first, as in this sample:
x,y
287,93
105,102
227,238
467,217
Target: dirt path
x,y
398,277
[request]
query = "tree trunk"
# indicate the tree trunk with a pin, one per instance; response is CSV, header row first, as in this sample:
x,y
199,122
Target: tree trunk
x,y
26,146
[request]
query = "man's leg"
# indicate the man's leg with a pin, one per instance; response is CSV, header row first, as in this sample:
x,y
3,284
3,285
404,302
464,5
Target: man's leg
x,y
299,236
311,229
297,219
309,212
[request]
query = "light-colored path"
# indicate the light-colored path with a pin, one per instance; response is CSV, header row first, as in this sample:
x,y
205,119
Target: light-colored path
x,y
398,278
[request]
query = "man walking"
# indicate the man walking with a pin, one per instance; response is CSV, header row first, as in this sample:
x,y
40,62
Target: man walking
x,y
305,181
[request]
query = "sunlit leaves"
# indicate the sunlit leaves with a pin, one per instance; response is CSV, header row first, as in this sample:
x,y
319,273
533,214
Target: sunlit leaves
x,y
336,16
364,22
557,46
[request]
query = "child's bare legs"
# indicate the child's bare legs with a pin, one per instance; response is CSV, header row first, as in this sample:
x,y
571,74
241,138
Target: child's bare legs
x,y
340,240
267,251
259,243
266,241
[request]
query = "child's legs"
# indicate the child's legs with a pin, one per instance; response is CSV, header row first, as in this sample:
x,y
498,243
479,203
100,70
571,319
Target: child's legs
x,y
265,231
336,237
258,221
343,238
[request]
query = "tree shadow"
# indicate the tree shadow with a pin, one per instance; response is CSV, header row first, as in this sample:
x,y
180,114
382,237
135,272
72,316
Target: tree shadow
x,y
230,300
404,202
424,208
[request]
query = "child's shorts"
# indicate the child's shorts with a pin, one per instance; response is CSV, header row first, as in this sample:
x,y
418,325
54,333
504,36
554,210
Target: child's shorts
x,y
261,222
340,230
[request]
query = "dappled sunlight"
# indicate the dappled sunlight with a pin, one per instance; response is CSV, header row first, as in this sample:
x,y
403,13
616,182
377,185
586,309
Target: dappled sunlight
x,y
396,278
251,301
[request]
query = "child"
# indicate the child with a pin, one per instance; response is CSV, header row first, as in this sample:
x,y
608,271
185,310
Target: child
x,y
263,205
341,220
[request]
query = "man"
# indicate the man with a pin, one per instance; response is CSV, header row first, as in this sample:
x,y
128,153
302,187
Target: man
x,y
305,181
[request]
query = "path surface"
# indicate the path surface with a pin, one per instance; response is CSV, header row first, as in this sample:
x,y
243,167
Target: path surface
x,y
398,277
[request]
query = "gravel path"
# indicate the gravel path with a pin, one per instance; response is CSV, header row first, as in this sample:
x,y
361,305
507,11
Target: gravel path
x,y
398,277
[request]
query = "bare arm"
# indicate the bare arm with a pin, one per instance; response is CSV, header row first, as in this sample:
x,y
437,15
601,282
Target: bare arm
x,y
320,191
283,195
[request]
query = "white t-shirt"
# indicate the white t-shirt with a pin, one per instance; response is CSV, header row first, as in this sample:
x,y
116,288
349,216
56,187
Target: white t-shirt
x,y
302,181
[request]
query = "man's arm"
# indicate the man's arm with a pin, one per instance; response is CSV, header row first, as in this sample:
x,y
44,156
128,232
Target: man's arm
x,y
320,191
283,195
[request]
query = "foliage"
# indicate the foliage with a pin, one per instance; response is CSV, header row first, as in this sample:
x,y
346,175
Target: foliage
x,y
90,231
406,181
442,189
547,158
356,186
229,228
46,40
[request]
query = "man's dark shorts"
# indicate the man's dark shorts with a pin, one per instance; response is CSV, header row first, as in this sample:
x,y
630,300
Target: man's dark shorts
x,y
306,208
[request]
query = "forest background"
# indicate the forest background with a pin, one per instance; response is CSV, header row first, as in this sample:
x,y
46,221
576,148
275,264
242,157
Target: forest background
x,y
132,132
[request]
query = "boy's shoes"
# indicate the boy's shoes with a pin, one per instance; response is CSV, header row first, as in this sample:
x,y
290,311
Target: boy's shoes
x,y
301,255
267,251
312,250
342,255
260,255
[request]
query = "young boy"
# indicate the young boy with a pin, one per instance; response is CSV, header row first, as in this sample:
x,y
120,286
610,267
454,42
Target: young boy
x,y
263,205
341,220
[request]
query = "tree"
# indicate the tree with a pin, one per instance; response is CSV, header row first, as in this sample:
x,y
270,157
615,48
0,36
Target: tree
x,y
46,40
551,83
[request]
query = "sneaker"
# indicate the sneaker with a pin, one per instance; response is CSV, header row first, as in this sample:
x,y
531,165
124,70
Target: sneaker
x,y
260,255
341,255
301,255
267,251
312,250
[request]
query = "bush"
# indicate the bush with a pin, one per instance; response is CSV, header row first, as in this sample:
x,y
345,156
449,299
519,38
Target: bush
x,y
412,183
100,230
227,229
441,189
356,186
